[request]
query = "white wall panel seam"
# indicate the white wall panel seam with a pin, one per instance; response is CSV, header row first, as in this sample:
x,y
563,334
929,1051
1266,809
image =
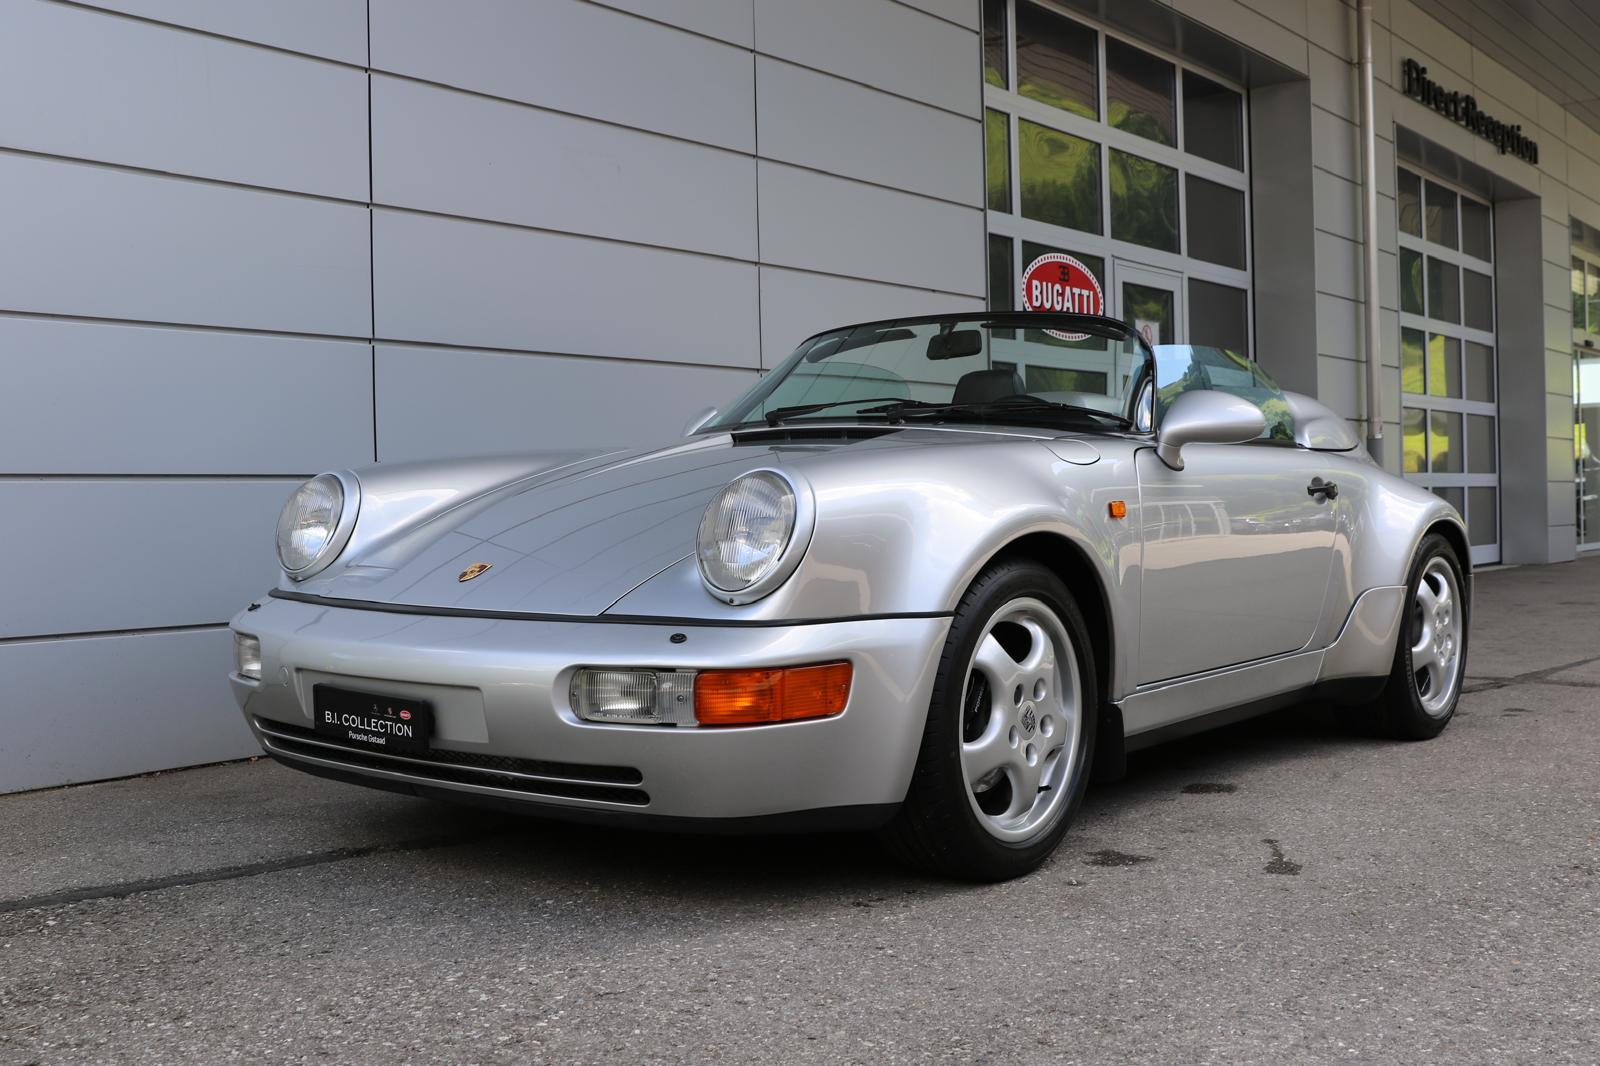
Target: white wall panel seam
x,y
642,17
213,34
621,360
496,223
941,18
755,138
390,73
466,91
175,175
214,108
723,40
930,105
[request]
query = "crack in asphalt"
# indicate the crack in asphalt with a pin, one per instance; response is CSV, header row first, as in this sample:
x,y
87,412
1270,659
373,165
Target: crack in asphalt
x,y
122,889
1539,677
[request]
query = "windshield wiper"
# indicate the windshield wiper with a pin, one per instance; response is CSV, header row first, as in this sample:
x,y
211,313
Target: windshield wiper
x,y
782,414
990,408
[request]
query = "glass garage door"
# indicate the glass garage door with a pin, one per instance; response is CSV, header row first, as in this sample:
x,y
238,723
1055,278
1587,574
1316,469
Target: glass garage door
x,y
1448,417
1131,161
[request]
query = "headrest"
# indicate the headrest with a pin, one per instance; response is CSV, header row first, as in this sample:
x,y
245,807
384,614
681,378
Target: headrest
x,y
983,386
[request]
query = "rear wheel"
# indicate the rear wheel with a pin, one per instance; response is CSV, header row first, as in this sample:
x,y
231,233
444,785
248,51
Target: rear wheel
x,y
1010,729
1431,655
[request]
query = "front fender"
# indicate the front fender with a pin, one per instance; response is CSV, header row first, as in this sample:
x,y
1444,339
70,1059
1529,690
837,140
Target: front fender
x,y
905,532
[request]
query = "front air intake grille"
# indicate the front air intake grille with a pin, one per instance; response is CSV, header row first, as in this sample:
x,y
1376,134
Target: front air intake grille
x,y
535,777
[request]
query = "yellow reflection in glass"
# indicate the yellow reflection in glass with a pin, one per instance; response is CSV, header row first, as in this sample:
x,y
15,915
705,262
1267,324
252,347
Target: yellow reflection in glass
x,y
1414,440
1411,379
1444,366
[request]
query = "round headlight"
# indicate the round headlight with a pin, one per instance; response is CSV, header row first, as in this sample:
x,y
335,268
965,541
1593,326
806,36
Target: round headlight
x,y
310,524
746,533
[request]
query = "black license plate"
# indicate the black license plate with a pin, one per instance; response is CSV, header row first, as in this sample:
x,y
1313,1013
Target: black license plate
x,y
392,724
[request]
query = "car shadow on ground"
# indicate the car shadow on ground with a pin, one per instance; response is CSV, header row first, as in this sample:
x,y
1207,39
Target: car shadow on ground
x,y
757,868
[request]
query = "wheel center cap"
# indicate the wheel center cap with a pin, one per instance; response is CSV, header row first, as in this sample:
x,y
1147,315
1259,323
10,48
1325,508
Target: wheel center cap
x,y
1029,721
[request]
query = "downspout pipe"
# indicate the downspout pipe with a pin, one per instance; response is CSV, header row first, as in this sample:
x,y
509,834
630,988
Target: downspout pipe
x,y
1373,331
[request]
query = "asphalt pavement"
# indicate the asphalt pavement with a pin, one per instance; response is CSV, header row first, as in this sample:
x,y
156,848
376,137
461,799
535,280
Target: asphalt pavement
x,y
1278,892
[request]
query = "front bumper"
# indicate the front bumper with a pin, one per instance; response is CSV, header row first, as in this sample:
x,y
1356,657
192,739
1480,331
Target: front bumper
x,y
506,736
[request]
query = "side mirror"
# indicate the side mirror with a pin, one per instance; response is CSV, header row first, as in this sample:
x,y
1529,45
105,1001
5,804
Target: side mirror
x,y
1206,416
698,422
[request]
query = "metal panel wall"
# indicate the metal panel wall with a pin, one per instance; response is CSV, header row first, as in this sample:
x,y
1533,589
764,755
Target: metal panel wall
x,y
110,398
211,289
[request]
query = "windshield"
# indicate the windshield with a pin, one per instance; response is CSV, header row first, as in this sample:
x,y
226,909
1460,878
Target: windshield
x,y
983,367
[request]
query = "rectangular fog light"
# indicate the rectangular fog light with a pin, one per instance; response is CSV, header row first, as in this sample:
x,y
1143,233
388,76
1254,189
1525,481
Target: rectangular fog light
x,y
247,656
634,697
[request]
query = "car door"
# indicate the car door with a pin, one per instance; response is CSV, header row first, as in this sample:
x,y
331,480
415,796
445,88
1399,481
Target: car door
x,y
1237,548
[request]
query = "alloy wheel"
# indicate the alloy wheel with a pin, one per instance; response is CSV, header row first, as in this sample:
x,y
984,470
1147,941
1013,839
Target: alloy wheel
x,y
1436,637
1021,721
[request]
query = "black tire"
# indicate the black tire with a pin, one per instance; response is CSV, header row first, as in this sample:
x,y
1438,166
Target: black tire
x,y
1399,711
937,830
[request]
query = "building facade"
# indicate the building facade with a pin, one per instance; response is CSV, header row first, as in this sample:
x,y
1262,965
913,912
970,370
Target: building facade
x,y
246,242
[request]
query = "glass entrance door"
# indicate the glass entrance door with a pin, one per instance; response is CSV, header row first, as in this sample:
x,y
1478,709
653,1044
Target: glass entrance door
x,y
1586,444
1149,300
1586,383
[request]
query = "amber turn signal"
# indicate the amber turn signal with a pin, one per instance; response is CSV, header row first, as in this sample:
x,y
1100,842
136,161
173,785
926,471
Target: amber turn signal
x,y
1117,508
757,697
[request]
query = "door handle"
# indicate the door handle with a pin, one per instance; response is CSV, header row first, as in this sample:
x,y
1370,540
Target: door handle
x,y
1327,490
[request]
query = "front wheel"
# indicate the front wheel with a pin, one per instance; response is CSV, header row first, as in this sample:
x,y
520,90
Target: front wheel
x,y
1431,656
1010,729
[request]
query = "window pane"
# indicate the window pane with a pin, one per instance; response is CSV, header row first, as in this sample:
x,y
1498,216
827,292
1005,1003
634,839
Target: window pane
x,y
1454,497
1440,215
1578,320
994,42
1411,373
1475,229
1213,121
1057,61
1216,222
1060,177
1444,366
1414,440
1481,514
1479,374
1219,316
1410,188
997,159
1477,299
1444,290
1444,441
1592,287
1411,281
1144,202
1000,287
1139,93
1148,308
1097,267
1480,444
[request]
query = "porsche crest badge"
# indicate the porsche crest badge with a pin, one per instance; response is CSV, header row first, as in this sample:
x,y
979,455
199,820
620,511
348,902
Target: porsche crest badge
x,y
473,571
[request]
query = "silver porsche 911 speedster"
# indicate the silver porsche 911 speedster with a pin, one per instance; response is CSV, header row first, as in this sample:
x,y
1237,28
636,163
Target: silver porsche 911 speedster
x,y
927,576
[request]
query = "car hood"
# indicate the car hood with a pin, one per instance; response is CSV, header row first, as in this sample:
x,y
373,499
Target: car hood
x,y
578,539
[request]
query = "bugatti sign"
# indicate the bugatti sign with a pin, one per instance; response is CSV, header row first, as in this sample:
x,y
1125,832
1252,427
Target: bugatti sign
x,y
1058,282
